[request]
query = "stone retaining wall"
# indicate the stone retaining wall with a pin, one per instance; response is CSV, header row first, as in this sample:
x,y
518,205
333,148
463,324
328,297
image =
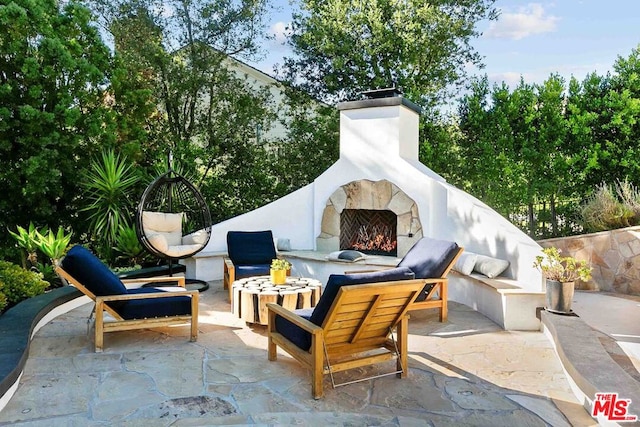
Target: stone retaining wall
x,y
614,256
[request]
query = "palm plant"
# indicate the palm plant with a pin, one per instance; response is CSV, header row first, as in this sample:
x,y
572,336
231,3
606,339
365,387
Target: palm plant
x,y
108,183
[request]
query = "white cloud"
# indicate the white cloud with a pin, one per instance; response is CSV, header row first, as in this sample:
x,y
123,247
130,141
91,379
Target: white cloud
x,y
512,79
529,20
280,31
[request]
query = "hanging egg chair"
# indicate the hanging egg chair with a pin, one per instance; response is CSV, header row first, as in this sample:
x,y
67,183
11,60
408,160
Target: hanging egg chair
x,y
173,220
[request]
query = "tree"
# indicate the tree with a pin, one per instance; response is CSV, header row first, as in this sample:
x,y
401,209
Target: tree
x,y
205,112
53,68
343,47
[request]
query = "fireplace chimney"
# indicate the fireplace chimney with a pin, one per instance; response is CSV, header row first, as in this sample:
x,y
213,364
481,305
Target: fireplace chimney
x,y
383,125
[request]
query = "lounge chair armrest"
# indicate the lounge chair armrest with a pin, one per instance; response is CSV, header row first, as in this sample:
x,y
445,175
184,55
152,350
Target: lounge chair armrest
x,y
228,263
127,297
434,280
181,280
294,318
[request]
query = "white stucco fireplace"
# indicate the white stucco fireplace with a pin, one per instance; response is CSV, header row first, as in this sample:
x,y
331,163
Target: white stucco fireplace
x,y
378,170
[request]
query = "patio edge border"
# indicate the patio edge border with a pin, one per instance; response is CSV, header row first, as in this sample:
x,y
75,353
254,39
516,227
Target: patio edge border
x,y
17,327
586,363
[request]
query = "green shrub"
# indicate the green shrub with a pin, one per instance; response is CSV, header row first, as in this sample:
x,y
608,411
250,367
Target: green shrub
x,y
20,284
630,197
3,298
604,211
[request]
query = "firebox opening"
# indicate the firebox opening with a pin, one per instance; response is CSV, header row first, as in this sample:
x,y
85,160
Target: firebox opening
x,y
372,232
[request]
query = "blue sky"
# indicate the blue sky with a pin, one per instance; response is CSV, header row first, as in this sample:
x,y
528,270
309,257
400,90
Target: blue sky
x,y
532,39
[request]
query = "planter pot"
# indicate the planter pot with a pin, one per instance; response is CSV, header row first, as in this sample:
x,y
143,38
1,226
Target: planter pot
x,y
559,296
278,277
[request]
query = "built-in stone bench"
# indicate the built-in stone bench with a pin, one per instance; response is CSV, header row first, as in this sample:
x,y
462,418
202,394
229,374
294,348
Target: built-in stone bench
x,y
505,301
19,324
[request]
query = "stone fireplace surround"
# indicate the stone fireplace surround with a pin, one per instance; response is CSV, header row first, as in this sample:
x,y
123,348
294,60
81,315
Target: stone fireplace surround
x,y
371,195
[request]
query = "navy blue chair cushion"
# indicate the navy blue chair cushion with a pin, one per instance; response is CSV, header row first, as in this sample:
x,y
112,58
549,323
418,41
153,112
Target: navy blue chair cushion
x,y
153,307
87,269
252,270
294,333
251,247
428,259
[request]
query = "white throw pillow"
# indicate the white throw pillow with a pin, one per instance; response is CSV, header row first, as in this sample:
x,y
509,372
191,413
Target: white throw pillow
x,y
283,244
197,238
490,267
465,263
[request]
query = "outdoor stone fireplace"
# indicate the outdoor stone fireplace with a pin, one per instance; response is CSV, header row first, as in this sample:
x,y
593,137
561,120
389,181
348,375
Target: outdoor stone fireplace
x,y
375,215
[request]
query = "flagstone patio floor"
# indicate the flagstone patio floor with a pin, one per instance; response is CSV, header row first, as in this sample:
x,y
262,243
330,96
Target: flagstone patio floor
x,y
467,371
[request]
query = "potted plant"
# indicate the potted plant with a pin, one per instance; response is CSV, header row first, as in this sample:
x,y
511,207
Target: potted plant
x,y
279,269
560,273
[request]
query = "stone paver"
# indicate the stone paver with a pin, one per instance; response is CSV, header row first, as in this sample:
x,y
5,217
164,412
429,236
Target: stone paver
x,y
464,372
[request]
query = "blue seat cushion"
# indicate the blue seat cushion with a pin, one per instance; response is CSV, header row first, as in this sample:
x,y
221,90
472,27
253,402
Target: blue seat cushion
x,y
294,333
87,269
153,307
316,315
251,247
252,270
428,259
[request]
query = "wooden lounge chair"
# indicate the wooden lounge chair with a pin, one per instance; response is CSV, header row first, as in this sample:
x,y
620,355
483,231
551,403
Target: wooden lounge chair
x,y
351,326
249,254
432,260
120,309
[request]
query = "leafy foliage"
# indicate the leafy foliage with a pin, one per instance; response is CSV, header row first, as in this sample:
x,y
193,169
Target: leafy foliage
x,y
530,150
20,284
54,245
42,240
343,47
3,298
188,97
128,245
610,208
108,185
280,264
54,69
562,269
27,239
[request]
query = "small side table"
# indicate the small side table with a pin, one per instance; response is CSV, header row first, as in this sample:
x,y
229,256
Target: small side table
x,y
249,296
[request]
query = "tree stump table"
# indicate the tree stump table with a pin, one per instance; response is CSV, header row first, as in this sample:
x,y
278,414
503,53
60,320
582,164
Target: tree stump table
x,y
249,296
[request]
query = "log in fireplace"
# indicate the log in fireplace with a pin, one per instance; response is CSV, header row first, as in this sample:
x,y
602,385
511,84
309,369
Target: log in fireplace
x,y
369,231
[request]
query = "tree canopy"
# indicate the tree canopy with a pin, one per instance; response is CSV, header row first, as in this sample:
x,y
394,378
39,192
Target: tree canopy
x,y
53,71
343,47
